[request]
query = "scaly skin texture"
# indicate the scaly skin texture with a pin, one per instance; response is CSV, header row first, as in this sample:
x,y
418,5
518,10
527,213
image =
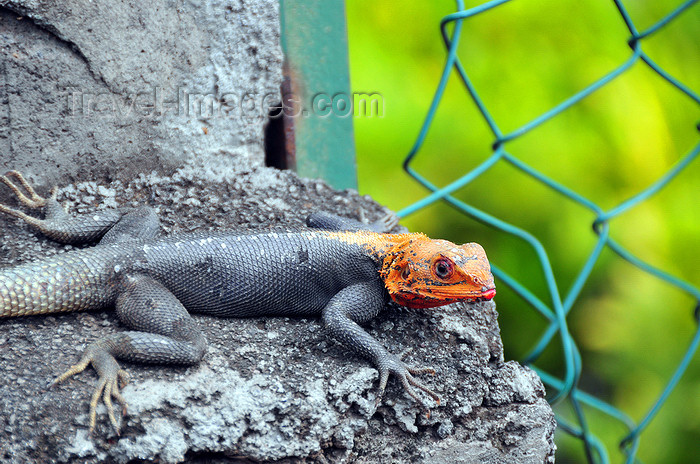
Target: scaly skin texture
x,y
345,273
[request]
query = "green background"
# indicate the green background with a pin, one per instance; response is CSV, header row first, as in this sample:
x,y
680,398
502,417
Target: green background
x,y
525,57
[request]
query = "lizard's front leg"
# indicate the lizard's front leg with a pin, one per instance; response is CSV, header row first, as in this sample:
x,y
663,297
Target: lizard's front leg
x,y
357,304
328,221
164,333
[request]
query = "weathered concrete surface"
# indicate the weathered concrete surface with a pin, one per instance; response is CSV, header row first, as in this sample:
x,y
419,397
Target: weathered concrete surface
x,y
105,90
269,389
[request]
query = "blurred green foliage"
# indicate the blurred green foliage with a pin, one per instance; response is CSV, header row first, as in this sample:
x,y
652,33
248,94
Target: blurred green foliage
x,y
525,57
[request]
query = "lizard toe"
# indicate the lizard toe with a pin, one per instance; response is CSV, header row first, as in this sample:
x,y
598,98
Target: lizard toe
x,y
408,382
385,224
74,369
94,400
111,390
383,380
117,394
412,380
394,365
123,377
421,370
29,199
107,389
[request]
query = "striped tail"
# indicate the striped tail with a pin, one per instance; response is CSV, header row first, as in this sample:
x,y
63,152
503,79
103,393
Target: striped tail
x,y
73,281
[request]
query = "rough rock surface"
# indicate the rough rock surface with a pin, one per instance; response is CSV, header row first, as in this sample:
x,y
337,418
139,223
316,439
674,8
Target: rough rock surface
x,y
269,389
105,90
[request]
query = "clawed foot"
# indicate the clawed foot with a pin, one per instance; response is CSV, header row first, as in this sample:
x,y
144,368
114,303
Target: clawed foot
x,y
111,380
386,223
28,198
393,365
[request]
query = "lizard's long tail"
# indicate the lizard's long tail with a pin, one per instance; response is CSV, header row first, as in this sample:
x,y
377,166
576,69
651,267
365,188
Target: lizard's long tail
x,y
68,282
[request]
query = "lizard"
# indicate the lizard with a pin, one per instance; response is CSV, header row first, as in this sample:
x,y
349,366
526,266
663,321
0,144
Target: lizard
x,y
340,269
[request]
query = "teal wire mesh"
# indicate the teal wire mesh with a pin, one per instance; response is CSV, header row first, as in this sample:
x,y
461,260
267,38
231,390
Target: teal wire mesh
x,y
556,311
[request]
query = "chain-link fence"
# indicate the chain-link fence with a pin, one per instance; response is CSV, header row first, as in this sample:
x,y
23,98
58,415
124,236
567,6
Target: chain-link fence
x,y
560,306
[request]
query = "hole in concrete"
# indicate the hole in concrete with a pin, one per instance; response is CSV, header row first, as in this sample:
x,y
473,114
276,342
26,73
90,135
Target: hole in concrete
x,y
275,153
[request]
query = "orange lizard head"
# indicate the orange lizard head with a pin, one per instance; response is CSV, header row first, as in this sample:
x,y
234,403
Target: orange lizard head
x,y
423,273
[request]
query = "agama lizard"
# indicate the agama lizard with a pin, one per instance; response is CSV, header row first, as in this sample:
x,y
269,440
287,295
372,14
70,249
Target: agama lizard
x,y
343,270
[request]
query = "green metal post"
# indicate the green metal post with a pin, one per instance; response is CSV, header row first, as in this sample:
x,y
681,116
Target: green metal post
x,y
314,40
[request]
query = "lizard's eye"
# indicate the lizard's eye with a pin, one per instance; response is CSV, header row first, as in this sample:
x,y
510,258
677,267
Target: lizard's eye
x,y
443,268
406,272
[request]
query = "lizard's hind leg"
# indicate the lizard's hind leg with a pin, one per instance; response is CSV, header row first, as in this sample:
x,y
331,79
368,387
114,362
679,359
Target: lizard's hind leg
x,y
138,224
57,224
163,332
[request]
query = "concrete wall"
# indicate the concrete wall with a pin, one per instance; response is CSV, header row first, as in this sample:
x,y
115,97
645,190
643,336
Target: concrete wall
x,y
106,89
